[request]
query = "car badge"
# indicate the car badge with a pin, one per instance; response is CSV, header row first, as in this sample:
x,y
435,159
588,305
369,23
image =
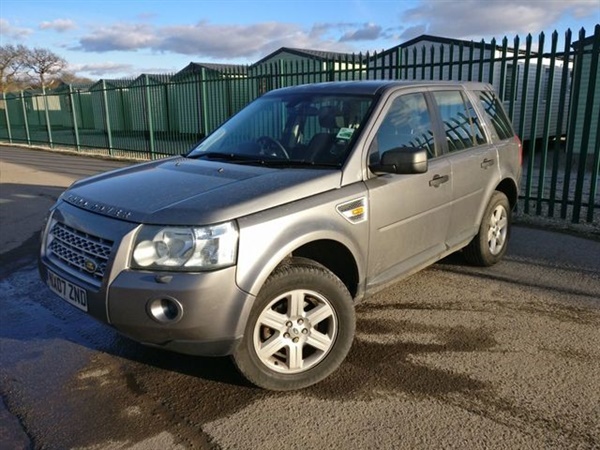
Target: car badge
x,y
90,266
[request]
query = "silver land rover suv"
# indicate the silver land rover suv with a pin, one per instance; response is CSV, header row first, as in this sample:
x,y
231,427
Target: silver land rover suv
x,y
259,241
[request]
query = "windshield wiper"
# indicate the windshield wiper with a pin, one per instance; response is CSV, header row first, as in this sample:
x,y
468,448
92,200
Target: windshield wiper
x,y
267,162
299,163
223,156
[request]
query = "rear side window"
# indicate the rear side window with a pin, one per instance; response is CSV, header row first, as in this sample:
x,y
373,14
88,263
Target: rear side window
x,y
461,124
495,114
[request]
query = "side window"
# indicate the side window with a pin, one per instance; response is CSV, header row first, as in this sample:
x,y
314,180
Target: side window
x,y
495,114
406,124
476,122
461,124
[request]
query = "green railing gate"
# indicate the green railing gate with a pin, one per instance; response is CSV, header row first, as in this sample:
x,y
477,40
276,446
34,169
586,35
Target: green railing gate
x,y
551,96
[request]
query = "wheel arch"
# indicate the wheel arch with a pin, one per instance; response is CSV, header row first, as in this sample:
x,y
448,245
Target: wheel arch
x,y
339,252
509,188
336,257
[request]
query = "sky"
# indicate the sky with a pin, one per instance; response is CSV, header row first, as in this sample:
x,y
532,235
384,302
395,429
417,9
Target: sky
x,y
115,39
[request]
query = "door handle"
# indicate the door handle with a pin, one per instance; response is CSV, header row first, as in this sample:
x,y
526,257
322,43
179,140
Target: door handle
x,y
487,163
438,180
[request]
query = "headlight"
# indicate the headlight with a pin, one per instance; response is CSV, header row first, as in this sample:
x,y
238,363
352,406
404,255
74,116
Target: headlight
x,y
185,248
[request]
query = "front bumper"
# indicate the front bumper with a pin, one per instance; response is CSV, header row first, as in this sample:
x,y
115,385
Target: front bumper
x,y
212,316
211,311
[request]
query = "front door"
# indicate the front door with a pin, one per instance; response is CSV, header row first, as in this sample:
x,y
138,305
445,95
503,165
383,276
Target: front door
x,y
409,214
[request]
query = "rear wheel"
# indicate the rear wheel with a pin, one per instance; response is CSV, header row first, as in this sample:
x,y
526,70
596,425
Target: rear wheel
x,y
490,244
300,328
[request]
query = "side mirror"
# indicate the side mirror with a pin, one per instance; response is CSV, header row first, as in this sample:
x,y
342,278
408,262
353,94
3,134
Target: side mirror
x,y
402,160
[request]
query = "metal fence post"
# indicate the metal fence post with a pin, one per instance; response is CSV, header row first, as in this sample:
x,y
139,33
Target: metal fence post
x,y
471,54
25,119
47,115
575,87
492,60
547,119
502,91
594,180
514,75
149,116
524,87
441,74
107,118
204,101
432,61
74,118
559,121
533,122
481,58
7,117
595,169
450,62
461,56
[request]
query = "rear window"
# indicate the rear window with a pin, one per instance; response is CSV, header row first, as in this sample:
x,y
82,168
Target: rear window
x,y
496,115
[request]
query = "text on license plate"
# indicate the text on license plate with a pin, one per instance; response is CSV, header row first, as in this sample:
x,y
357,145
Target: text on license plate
x,y
68,291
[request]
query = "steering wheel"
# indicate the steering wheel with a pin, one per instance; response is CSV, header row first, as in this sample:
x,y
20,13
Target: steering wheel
x,y
268,143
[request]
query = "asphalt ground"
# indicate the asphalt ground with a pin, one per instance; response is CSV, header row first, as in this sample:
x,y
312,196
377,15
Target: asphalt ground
x,y
453,357
30,182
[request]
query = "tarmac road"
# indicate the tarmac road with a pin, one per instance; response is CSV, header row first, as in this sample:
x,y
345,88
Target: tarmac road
x,y
453,357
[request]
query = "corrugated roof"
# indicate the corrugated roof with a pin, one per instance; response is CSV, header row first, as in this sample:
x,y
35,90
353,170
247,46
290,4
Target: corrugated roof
x,y
306,53
120,83
196,67
76,86
160,78
443,40
585,42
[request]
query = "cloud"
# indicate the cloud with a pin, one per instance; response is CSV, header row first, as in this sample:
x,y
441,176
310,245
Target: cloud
x,y
224,41
367,32
210,40
119,37
13,32
103,68
474,19
59,25
412,32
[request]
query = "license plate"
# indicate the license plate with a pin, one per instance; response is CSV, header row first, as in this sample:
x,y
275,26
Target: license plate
x,y
70,292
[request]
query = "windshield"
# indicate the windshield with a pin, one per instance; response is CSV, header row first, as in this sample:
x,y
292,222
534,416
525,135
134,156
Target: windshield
x,y
292,129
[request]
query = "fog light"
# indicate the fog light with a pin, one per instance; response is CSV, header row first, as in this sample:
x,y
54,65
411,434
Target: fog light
x,y
165,310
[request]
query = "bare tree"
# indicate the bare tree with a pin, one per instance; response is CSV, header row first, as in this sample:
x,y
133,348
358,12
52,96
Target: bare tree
x,y
44,63
13,69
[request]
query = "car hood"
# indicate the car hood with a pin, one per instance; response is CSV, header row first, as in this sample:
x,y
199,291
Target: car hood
x,y
183,191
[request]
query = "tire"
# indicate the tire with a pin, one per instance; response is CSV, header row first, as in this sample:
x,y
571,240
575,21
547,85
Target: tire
x,y
300,328
490,244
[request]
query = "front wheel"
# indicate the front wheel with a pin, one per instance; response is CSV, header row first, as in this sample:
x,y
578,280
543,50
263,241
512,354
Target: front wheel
x,y
491,242
299,330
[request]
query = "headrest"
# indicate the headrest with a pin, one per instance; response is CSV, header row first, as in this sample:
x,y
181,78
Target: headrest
x,y
330,117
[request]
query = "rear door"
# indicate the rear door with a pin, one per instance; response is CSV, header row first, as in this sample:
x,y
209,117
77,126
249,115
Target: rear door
x,y
409,214
473,160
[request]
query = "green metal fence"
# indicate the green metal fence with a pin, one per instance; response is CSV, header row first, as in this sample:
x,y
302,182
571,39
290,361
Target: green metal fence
x,y
551,95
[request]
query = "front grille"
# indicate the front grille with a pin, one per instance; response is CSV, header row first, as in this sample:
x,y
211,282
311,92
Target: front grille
x,y
86,254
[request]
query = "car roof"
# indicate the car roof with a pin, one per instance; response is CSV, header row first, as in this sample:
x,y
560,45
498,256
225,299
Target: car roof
x,y
367,87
